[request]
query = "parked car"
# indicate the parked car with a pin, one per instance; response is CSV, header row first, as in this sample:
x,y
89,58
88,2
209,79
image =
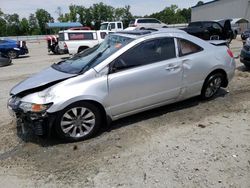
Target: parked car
x,y
211,30
75,41
245,54
12,48
4,60
245,34
144,23
129,72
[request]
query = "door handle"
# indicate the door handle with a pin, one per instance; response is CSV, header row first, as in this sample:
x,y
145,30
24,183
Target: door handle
x,y
172,66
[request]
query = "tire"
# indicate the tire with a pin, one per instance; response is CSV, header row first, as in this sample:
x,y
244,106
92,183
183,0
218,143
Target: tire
x,y
12,54
142,28
78,121
211,85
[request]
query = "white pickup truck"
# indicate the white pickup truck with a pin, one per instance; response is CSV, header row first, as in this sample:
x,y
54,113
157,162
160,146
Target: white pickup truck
x,y
76,41
111,26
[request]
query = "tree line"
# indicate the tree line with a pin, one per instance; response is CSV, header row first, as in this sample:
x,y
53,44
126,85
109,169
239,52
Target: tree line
x,y
12,24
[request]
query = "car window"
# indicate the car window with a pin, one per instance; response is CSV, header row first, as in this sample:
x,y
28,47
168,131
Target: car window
x,y
217,27
207,24
195,24
149,20
187,47
61,36
155,21
119,25
112,25
89,58
80,36
132,22
146,53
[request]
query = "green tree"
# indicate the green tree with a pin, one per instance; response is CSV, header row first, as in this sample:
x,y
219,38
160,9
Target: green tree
x,y
13,24
24,26
43,17
3,25
100,13
73,13
186,13
34,29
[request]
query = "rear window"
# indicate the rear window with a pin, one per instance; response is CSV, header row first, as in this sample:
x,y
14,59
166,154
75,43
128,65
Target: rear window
x,y
187,47
80,36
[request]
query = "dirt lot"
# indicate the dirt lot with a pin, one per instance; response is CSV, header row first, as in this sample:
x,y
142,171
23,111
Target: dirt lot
x,y
188,144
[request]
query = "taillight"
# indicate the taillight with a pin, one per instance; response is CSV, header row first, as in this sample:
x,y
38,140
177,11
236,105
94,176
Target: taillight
x,y
230,53
65,45
133,25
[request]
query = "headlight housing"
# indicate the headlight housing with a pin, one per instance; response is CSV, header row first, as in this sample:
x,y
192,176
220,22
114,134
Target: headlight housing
x,y
31,107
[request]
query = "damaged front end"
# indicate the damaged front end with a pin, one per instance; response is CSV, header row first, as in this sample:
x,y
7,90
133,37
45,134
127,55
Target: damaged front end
x,y
29,115
31,98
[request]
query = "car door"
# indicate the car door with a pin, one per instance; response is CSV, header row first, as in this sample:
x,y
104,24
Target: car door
x,y
145,75
194,69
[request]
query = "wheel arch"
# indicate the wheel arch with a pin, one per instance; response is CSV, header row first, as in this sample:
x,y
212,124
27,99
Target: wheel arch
x,y
96,103
223,72
81,48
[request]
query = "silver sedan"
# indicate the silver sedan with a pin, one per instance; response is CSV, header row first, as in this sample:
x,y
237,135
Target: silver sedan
x,y
130,72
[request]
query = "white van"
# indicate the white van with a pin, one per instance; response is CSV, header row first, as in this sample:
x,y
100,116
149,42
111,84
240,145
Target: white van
x,y
78,40
143,23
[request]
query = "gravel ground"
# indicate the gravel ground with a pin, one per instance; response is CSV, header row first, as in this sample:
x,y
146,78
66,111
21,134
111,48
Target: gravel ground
x,y
188,144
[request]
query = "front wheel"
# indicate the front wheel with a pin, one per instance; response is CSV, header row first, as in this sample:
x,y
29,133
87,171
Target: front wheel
x,y
212,85
78,121
12,54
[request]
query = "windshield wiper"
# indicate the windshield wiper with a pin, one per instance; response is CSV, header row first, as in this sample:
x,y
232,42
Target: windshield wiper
x,y
93,60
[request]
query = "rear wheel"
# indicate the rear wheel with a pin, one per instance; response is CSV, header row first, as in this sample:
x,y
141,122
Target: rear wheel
x,y
78,121
212,85
12,54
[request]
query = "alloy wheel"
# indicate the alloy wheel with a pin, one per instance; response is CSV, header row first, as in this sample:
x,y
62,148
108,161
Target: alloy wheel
x,y
213,87
78,122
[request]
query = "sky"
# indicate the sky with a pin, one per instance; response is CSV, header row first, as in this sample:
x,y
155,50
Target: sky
x,y
138,7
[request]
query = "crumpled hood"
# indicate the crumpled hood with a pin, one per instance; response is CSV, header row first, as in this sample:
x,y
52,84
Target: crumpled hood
x,y
43,78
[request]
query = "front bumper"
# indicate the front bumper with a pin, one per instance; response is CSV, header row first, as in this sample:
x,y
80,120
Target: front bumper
x,y
40,123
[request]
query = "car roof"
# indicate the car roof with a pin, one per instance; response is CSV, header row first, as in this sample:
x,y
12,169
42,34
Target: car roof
x,y
77,31
142,33
145,18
